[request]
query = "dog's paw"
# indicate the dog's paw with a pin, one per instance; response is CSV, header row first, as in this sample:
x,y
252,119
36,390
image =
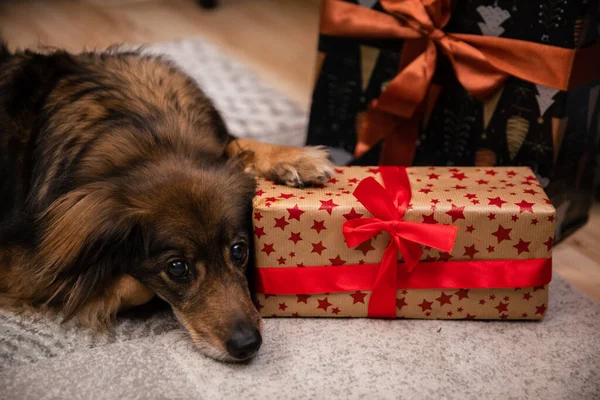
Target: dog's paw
x,y
299,167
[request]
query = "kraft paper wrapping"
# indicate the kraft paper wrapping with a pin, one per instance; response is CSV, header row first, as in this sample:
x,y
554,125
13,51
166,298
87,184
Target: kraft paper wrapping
x,y
501,213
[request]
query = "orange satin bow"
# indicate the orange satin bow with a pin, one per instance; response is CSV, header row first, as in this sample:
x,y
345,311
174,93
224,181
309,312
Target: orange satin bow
x,y
481,63
388,206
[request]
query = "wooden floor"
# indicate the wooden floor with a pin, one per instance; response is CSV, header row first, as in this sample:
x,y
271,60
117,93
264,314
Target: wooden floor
x,y
276,38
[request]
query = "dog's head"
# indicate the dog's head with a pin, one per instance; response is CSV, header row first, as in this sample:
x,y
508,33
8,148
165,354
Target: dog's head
x,y
180,229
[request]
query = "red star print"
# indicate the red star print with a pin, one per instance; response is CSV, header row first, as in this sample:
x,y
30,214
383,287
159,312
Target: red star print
x,y
444,299
502,307
435,201
536,288
522,246
459,309
302,298
358,297
490,172
490,249
491,216
526,183
514,218
258,216
506,298
534,221
433,176
482,182
426,191
292,254
259,231
524,315
427,314
365,247
361,261
353,180
373,170
286,195
281,261
338,171
462,294
525,206
337,260
470,229
268,248
335,311
551,218
548,243
282,306
259,192
444,256
456,213
295,237
318,225
318,247
352,215
471,196
459,175
469,316
541,309
454,170
327,206
324,304
496,201
295,314
475,201
271,199
470,251
511,173
459,187
300,265
502,233
295,213
429,219
504,316
281,223
426,305
492,297
332,180
527,296
482,301
449,313
401,303
529,191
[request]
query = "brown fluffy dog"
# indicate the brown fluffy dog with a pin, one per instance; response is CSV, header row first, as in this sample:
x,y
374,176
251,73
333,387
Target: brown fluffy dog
x,y
119,181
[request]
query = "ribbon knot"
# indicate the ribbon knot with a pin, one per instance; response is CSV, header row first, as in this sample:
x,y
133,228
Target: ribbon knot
x,y
388,205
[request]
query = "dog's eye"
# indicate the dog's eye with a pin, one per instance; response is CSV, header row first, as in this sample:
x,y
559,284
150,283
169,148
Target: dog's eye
x,y
239,252
178,269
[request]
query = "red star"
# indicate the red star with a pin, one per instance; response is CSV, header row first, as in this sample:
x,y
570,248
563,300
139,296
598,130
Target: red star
x,y
551,218
295,213
335,311
506,298
433,176
502,307
302,298
459,175
426,191
268,248
258,216
514,218
338,171
281,223
490,172
361,261
259,192
541,309
365,247
271,199
286,195
502,233
511,173
456,213
482,182
444,256
475,201
522,246
527,296
524,315
300,265
352,215
401,303
454,170
491,216
259,231
332,180
318,225
471,196
504,316
282,306
435,201
482,301
470,251
444,299
534,221
426,305
459,187
337,260
295,314
358,297
548,243
292,254
318,247
324,304
469,316
529,191
462,294
429,219
459,309
295,237
281,261
525,206
492,297
470,229
327,206
373,170
353,180
449,313
496,201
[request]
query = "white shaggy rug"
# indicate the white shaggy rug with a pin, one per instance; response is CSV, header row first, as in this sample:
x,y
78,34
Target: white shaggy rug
x,y
149,357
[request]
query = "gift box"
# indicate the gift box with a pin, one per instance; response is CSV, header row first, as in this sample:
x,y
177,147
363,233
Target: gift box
x,y
472,83
417,242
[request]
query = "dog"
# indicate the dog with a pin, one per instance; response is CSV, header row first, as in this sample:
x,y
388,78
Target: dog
x,y
119,182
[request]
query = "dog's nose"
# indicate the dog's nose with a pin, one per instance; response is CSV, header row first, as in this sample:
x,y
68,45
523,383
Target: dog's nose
x,y
244,342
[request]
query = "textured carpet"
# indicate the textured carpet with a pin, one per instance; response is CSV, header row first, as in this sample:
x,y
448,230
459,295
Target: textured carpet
x,y
149,357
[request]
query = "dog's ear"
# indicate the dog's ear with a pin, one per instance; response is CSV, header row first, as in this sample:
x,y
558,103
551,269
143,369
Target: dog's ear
x,y
88,236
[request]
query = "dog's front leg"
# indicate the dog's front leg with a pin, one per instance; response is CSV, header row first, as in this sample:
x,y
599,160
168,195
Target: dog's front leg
x,y
293,166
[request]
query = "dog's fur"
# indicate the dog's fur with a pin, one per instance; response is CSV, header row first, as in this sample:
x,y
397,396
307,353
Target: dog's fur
x,y
113,165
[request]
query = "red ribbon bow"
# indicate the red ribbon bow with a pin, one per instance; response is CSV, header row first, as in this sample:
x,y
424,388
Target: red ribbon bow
x,y
388,206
